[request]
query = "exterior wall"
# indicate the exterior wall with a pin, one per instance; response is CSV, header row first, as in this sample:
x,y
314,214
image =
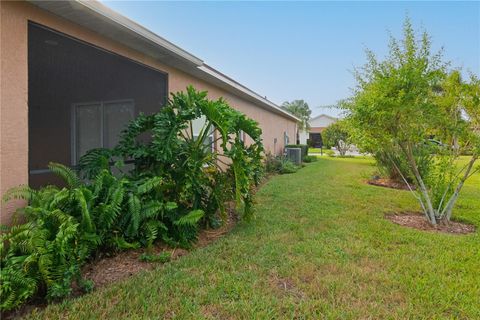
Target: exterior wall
x,y
320,123
14,90
317,129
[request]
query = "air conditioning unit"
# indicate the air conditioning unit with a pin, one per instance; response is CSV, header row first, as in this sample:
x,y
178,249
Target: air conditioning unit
x,y
294,155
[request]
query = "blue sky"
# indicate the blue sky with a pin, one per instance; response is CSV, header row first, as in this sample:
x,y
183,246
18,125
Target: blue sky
x,y
304,50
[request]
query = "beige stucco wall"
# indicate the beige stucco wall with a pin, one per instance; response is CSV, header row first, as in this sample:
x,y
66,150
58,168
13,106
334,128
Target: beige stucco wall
x,y
14,90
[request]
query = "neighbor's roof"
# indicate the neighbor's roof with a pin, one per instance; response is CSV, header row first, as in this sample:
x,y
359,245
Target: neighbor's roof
x,y
324,116
99,18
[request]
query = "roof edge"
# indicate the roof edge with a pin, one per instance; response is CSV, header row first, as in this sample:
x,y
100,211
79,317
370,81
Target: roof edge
x,y
323,115
238,86
133,26
192,64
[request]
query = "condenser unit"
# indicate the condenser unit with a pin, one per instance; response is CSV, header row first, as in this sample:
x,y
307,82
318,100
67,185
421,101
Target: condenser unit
x,y
294,155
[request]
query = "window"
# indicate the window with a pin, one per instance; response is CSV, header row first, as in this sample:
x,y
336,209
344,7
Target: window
x,y
286,139
197,126
242,136
98,125
208,142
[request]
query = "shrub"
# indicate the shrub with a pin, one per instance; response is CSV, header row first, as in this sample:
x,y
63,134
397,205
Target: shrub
x,y
186,163
329,152
176,186
272,163
337,135
309,159
279,164
63,228
400,103
288,167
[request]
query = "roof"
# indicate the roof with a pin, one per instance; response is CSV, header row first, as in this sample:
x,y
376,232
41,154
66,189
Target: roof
x,y
101,19
323,115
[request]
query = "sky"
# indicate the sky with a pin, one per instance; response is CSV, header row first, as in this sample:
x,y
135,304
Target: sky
x,y
305,50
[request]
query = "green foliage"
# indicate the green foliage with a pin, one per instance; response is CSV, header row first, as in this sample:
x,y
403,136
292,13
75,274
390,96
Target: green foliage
x,y
288,167
47,251
320,221
329,152
162,257
279,165
301,110
417,118
337,135
177,184
189,168
392,164
309,159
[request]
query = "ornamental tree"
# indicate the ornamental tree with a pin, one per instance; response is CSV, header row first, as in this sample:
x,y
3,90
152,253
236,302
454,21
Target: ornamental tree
x,y
337,135
421,117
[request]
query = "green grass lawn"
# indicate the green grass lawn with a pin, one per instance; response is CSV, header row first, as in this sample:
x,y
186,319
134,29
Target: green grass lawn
x,y
319,248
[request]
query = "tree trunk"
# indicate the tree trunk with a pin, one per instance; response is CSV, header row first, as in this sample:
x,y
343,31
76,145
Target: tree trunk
x,y
423,189
447,212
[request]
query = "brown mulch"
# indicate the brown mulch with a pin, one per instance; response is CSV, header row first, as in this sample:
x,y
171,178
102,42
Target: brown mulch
x,y
125,264
109,269
418,221
388,183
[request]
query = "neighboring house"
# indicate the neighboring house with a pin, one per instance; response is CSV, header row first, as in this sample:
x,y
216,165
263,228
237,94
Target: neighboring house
x,y
317,125
73,73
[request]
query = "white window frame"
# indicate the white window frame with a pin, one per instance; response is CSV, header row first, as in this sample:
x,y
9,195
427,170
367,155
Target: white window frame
x,y
73,127
286,138
211,136
242,136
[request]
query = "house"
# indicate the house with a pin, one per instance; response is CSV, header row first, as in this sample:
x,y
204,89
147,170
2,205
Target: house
x,y
317,125
73,73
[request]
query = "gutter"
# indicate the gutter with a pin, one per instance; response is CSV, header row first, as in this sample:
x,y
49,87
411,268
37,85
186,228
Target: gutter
x,y
143,32
238,86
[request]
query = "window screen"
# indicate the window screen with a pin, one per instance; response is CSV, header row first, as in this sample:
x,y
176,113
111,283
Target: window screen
x,y
99,125
88,127
117,115
106,89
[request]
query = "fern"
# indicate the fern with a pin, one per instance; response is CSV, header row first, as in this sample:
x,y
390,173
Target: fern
x,y
152,209
134,210
191,219
16,287
86,219
21,192
95,161
121,243
67,174
149,185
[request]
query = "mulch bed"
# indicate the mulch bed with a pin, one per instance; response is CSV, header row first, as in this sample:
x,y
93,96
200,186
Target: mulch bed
x,y
109,269
388,183
418,221
125,264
